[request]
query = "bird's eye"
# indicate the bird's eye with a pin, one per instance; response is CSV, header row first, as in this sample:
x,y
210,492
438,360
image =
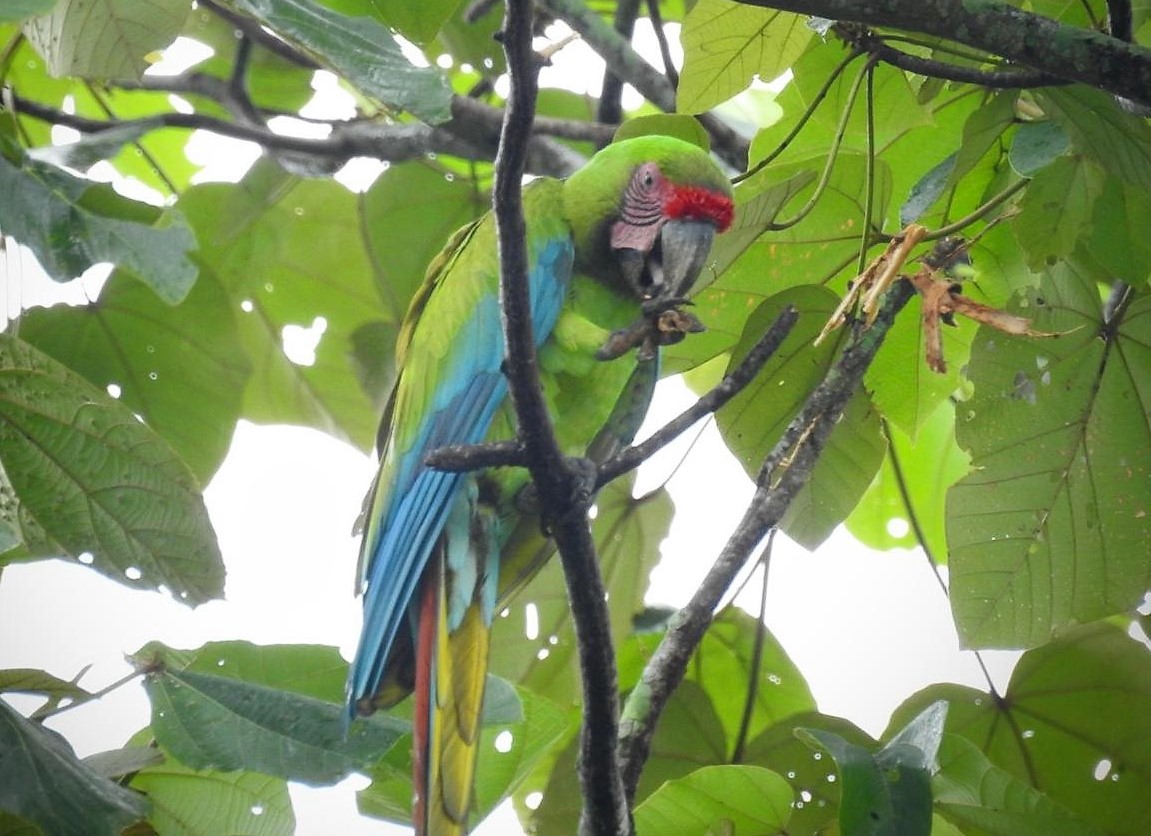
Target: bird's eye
x,y
648,179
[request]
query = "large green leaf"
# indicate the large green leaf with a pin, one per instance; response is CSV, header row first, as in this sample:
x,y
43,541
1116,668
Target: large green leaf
x,y
754,420
71,224
1051,527
970,790
217,722
291,253
110,39
191,801
182,369
42,780
361,50
1073,724
418,22
99,482
1099,128
846,467
19,9
728,799
726,45
1056,210
906,500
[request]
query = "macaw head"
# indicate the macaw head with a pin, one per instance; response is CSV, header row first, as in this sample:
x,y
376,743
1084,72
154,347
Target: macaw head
x,y
645,212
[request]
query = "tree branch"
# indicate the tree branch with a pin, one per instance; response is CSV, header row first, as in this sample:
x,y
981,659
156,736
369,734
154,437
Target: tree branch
x,y
629,65
558,484
800,446
1067,52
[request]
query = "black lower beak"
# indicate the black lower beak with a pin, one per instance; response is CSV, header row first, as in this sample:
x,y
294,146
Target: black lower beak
x,y
685,246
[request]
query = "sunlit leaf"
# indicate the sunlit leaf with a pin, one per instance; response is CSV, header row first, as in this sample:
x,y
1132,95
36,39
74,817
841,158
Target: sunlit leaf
x,y
733,799
42,780
105,38
1050,528
100,483
727,44
20,9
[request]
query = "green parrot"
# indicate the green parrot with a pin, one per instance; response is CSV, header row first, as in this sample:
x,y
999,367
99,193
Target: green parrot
x,y
634,225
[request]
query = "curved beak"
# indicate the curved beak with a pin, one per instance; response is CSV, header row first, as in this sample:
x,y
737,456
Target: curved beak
x,y
685,246
668,265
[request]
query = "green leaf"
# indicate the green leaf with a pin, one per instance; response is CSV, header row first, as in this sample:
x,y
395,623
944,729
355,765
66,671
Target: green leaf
x,y
315,671
811,774
100,483
846,467
1101,130
970,790
17,10
182,369
500,769
1073,723
32,681
733,799
889,792
120,762
727,44
418,22
41,780
1050,528
983,131
678,125
926,191
362,51
1055,211
906,500
215,722
71,224
1036,145
1119,242
105,39
754,420
206,801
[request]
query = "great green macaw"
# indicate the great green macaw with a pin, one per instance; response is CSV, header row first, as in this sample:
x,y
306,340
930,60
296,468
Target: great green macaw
x,y
635,224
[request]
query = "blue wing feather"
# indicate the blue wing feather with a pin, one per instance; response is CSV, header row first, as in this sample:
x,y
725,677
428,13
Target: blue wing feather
x,y
462,409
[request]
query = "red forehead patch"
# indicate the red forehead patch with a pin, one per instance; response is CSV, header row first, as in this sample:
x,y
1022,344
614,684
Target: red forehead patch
x,y
697,203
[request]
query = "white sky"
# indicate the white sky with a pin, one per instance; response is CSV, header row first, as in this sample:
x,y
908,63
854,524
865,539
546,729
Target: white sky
x,y
867,629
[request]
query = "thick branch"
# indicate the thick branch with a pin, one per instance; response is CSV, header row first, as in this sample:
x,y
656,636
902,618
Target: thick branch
x,y
1026,39
558,483
800,447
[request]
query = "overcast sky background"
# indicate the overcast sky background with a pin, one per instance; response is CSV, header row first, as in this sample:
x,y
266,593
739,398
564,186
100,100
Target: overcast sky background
x,y
866,629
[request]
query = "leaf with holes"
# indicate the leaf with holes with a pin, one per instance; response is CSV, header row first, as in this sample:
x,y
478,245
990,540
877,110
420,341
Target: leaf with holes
x,y
1073,723
727,798
99,482
726,45
181,368
1051,527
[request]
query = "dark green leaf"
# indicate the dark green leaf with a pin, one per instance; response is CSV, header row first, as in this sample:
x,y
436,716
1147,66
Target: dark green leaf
x,y
1073,723
970,790
715,799
101,483
1050,529
182,369
72,224
120,762
926,191
418,22
1036,145
1056,210
846,467
1103,131
215,722
110,39
362,51
19,9
32,681
41,780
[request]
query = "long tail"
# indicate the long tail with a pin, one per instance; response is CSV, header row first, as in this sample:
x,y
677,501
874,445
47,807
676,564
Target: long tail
x,y
450,674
